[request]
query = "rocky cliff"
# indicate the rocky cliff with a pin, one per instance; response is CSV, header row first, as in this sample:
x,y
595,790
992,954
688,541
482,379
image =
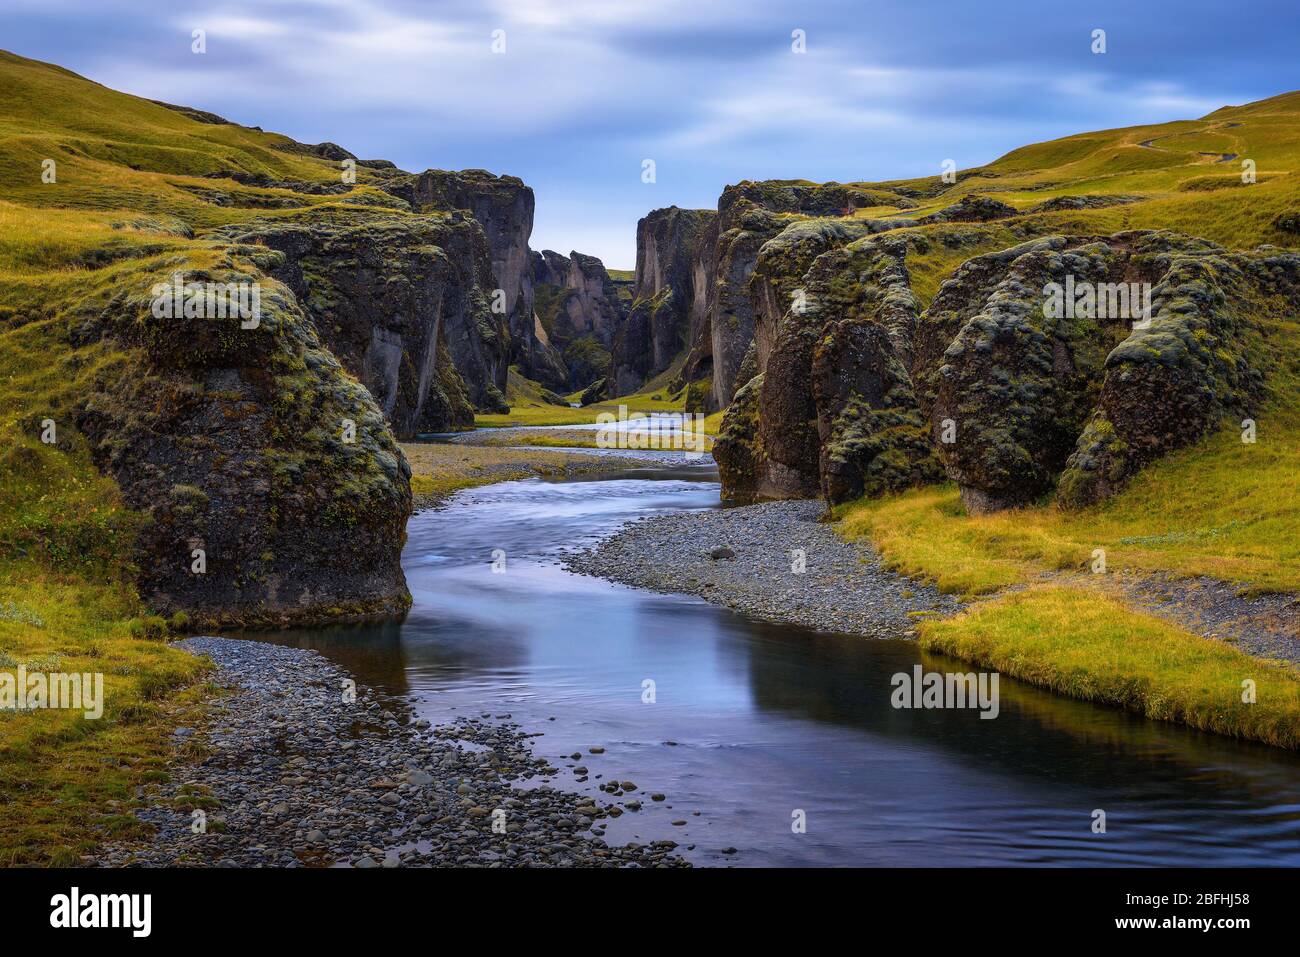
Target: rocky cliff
x,y
270,485
994,386
693,289
503,206
403,302
581,313
659,320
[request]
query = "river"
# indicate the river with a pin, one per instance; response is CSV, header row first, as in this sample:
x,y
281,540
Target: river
x,y
754,728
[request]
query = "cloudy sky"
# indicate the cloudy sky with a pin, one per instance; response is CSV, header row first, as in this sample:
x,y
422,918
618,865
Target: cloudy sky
x,y
710,90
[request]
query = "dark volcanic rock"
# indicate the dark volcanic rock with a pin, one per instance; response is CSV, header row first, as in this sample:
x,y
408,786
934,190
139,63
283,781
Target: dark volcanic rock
x,y
595,392
777,285
1095,201
715,314
962,295
697,370
1201,359
750,214
1020,380
404,304
236,442
659,319
743,228
1288,222
790,317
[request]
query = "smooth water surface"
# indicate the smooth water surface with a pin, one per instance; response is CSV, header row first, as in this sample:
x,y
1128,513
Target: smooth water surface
x,y
766,720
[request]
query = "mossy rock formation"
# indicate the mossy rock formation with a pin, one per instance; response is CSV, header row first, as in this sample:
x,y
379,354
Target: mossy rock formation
x,y
404,303
1016,384
1201,359
999,385
254,448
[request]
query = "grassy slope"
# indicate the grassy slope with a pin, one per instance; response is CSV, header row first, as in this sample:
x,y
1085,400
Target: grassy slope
x,y
120,213
1181,188
527,407
1087,646
1222,508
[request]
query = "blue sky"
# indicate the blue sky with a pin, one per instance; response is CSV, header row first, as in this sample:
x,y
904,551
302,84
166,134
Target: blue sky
x,y
709,89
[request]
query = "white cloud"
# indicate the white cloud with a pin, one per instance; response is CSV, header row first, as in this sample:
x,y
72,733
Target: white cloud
x,y
587,88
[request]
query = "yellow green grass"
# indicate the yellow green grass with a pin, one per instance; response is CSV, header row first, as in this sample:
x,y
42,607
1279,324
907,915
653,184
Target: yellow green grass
x,y
526,409
66,781
1179,187
439,469
1085,645
1223,508
527,414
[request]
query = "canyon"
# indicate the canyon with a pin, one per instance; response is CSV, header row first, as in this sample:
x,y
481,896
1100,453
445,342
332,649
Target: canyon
x,y
859,339
946,361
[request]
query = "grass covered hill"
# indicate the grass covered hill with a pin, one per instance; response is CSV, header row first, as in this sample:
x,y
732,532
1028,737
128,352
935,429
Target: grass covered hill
x,y
128,441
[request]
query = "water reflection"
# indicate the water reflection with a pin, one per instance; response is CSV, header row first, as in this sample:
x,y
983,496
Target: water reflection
x,y
752,722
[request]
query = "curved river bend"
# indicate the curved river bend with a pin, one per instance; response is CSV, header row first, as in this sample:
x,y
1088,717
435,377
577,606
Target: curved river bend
x,y
752,722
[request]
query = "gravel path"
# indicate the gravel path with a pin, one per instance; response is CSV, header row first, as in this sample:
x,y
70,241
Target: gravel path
x,y
1267,626
843,587
290,774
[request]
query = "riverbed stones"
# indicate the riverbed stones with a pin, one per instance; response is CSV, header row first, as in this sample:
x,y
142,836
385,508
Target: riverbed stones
x,y
842,587
373,804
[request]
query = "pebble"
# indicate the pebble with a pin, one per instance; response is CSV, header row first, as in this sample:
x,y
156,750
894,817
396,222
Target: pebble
x,y
842,587
280,738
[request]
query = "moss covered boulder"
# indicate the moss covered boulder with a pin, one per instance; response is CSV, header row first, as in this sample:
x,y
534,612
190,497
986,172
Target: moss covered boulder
x,y
1201,360
1019,379
271,488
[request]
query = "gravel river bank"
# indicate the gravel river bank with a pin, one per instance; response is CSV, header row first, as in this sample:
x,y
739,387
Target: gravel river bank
x,y
292,773
670,728
775,561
